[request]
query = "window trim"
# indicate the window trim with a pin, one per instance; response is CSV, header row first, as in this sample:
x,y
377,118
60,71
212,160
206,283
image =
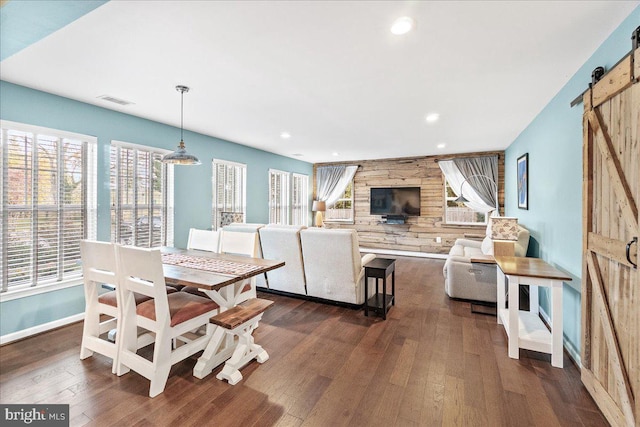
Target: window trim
x,y
352,219
89,208
167,196
457,223
304,208
286,209
214,189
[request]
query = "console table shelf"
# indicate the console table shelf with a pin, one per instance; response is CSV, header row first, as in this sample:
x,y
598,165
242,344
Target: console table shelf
x,y
532,333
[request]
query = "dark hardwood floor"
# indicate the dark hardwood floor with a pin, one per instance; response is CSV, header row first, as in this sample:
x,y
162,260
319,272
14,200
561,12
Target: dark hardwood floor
x,y
431,363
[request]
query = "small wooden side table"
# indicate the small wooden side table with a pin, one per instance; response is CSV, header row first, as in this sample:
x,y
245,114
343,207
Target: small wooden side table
x,y
525,328
380,268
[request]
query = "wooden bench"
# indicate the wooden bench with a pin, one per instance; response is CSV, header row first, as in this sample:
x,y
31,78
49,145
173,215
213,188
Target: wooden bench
x,y
241,320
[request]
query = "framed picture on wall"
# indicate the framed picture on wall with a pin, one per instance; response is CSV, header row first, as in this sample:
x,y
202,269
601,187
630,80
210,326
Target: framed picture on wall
x,y
523,181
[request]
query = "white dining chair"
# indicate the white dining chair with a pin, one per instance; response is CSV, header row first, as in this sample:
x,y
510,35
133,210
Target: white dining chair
x,y
204,240
168,316
245,244
99,268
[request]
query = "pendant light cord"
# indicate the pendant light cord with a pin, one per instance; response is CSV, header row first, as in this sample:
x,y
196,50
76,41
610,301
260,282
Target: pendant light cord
x,y
181,114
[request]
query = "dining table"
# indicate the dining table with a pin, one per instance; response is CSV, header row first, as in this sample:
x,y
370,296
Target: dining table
x,y
221,277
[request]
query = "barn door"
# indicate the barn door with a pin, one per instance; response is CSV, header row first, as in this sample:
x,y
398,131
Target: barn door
x,y
610,277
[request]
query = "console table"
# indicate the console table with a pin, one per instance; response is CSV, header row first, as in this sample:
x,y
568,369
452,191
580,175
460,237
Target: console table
x,y
380,302
525,329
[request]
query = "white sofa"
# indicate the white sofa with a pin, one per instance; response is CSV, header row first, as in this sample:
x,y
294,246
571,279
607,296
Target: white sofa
x,y
476,281
319,263
333,266
282,242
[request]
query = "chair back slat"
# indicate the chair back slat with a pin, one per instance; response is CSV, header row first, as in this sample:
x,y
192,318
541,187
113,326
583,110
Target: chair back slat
x,y
140,271
98,262
204,240
239,243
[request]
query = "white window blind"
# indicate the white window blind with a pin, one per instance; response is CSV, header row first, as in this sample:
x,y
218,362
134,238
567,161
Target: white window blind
x,y
299,199
278,197
229,190
48,204
141,196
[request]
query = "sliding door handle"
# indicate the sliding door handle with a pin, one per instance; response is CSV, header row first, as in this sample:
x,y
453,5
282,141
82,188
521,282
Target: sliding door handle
x,y
634,240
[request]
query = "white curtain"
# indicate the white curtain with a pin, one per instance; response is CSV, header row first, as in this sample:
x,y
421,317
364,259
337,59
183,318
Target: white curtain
x,y
456,179
332,181
482,175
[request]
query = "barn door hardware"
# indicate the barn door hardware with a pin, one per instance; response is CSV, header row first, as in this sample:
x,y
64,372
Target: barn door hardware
x,y
634,240
596,75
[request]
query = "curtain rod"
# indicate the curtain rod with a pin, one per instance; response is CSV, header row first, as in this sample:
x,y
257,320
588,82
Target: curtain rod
x,y
468,157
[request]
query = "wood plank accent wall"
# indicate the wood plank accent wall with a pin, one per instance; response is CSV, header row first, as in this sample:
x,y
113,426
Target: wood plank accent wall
x,y
419,233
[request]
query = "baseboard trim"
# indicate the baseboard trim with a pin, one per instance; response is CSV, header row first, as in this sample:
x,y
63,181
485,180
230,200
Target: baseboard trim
x,y
38,329
573,352
403,253
310,298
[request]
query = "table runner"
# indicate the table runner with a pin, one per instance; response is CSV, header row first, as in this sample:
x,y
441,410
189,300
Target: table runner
x,y
209,264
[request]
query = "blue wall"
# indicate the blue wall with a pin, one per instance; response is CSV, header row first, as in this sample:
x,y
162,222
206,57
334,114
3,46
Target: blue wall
x,y
193,192
554,143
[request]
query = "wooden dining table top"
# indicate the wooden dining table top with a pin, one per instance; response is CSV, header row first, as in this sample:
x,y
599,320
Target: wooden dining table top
x,y
210,279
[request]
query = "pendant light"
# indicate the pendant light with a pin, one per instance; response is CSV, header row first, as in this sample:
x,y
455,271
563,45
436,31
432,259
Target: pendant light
x,y
180,156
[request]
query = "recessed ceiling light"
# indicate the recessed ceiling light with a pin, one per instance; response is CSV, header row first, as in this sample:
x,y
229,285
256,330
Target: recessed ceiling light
x,y
285,135
335,153
402,25
441,145
432,117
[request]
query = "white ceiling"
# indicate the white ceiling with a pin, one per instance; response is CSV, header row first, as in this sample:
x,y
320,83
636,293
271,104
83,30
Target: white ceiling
x,y
328,72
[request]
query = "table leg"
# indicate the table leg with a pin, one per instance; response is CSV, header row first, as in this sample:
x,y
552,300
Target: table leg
x,y
384,298
214,354
514,320
393,287
556,324
221,345
366,295
245,351
533,299
501,294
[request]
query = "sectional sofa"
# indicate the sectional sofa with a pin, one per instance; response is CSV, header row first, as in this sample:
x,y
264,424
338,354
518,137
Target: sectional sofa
x,y
322,264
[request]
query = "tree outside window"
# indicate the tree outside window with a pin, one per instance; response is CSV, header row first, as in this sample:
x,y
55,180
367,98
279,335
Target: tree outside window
x,y
342,210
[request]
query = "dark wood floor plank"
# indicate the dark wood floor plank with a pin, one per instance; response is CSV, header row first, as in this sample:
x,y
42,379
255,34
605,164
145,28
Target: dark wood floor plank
x,y
431,363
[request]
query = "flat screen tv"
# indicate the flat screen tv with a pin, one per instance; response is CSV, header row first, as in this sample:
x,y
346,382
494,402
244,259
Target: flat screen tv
x,y
395,201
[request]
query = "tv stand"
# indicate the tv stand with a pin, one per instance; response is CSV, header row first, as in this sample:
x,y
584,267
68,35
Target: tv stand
x,y
394,219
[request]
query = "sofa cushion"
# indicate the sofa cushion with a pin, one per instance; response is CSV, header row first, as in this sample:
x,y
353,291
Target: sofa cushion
x,y
470,252
283,243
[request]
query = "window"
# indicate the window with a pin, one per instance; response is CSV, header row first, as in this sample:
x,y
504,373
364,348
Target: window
x,y
457,212
299,199
342,209
229,190
278,197
141,196
48,204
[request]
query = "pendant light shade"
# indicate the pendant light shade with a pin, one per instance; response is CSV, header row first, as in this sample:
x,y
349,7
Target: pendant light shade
x,y
180,156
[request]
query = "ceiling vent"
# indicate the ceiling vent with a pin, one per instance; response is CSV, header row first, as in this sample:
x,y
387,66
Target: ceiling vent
x,y
115,100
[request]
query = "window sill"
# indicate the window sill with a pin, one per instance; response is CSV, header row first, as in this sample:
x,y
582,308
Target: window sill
x,y
478,226
40,289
